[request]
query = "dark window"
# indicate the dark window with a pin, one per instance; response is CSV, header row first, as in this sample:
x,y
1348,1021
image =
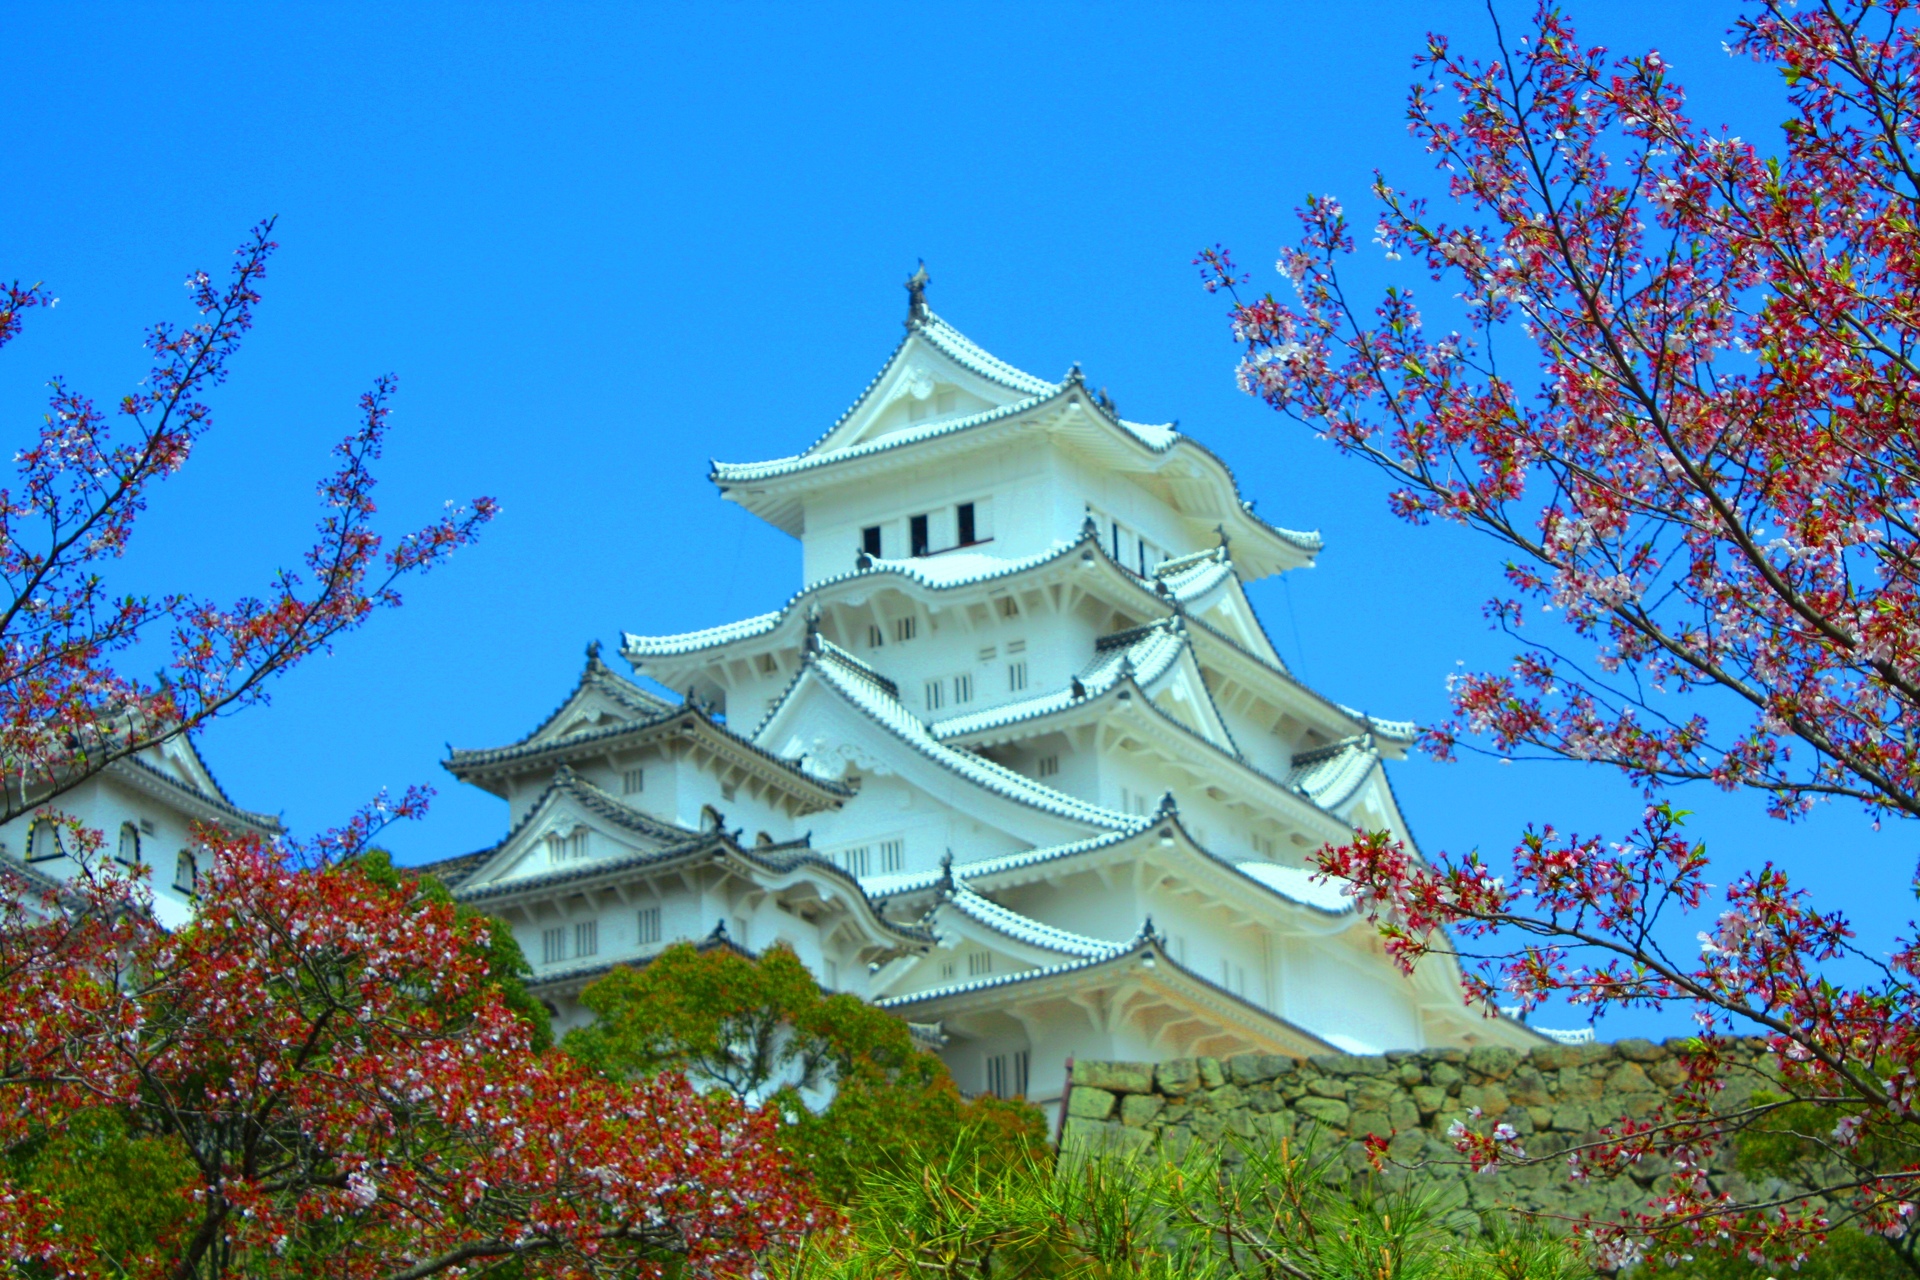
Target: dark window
x,y
1116,540
966,524
1141,544
870,540
917,536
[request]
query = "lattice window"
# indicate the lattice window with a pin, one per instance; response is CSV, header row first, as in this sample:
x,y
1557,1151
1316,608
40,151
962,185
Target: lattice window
x,y
1017,676
586,938
893,855
649,926
633,782
553,946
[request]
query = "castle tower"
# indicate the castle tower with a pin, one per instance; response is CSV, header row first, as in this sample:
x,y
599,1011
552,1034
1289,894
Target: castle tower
x,y
1022,708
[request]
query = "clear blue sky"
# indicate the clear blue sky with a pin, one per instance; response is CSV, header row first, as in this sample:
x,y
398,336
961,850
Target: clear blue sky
x,y
601,245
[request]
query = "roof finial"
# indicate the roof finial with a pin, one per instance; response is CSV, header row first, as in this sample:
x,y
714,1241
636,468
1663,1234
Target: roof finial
x,y
1169,807
945,884
1105,401
1226,543
593,651
917,294
719,933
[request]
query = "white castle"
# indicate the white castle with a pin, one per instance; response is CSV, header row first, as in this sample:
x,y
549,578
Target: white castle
x,y
1017,762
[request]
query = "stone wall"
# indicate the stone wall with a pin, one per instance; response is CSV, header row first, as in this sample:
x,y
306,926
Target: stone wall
x,y
1556,1097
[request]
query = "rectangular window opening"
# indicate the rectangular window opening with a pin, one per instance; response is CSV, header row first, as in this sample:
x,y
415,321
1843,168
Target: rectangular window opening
x,y
649,926
980,962
586,938
936,690
856,860
875,636
1021,1061
965,514
917,536
870,540
1049,765
553,946
903,628
997,1074
892,856
633,782
1016,676
1009,607
963,688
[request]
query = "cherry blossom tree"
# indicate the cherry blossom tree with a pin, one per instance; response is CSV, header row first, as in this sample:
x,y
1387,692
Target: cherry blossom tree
x,y
66,711
1681,397
321,1073
349,1095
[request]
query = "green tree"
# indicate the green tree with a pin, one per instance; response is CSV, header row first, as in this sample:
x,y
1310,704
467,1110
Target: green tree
x,y
765,1032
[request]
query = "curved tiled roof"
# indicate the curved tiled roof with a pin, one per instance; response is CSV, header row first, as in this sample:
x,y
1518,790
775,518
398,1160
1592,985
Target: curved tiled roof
x,y
1144,942
219,804
1025,929
1291,886
1331,774
858,683
919,570
729,473
1145,652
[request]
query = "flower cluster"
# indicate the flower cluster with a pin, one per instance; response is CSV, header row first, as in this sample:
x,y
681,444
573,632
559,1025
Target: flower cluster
x,y
1709,471
352,1094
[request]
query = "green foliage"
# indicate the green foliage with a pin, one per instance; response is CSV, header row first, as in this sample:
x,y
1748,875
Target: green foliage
x,y
506,963
120,1188
764,1031
1274,1212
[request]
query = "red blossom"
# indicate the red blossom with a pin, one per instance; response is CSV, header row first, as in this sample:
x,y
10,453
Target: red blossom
x,y
332,1055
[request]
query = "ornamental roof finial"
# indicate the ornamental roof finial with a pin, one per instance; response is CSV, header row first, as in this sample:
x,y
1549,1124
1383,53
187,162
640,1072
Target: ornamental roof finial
x,y
593,651
917,294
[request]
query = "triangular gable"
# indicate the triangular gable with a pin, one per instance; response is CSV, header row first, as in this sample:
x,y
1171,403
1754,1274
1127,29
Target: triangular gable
x,y
177,758
1181,691
833,720
1227,608
935,373
599,699
568,806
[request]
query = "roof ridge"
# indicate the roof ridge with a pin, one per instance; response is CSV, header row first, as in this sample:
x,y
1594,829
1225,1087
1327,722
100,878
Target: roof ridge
x,y
987,773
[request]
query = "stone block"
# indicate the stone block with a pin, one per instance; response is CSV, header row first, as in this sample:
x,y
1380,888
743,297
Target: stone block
x,y
1429,1098
1089,1103
1275,1125
1115,1077
1667,1073
1265,1101
1248,1068
1137,1110
1552,1057
1365,1122
1327,1111
1324,1087
1177,1076
1542,1117
1572,1117
1228,1097
1490,1098
1411,1073
1402,1113
1495,1062
1527,1087
1638,1050
1211,1074
1349,1064
1628,1077
1090,1137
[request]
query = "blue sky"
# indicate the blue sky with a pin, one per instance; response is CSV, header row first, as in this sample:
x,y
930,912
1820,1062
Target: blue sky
x,y
601,245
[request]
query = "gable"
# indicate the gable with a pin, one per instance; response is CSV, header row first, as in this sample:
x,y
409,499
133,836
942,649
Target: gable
x,y
934,374
570,828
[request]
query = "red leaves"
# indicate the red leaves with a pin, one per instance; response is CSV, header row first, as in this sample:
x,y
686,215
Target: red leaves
x,y
354,1096
65,712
